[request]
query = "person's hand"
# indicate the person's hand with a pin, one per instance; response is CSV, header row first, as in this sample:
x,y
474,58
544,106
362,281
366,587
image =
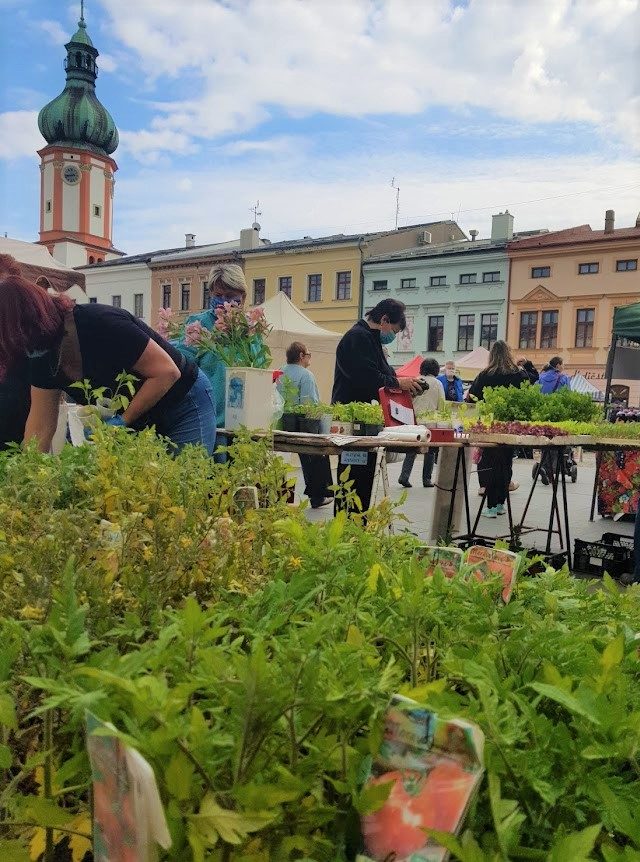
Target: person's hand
x,y
410,384
116,421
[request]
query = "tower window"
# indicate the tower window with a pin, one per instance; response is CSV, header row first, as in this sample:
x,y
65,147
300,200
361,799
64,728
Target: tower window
x,y
78,59
97,210
47,207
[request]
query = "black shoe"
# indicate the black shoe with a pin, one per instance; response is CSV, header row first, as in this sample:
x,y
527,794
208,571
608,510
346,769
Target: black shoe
x,y
405,483
428,484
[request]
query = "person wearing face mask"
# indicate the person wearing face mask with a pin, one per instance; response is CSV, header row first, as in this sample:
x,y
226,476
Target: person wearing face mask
x,y
66,343
361,370
451,383
226,284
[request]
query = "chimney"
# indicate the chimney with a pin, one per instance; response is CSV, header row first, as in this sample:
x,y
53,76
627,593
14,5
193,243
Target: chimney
x,y
250,237
473,233
609,221
189,240
502,227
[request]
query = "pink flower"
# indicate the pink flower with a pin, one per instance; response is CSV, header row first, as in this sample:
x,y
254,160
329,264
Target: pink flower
x,y
254,315
220,325
165,314
162,328
193,333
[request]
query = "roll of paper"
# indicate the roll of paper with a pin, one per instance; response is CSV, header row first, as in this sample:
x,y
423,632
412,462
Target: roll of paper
x,y
417,433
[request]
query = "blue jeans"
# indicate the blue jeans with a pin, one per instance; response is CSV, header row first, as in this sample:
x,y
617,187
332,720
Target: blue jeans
x,y
192,420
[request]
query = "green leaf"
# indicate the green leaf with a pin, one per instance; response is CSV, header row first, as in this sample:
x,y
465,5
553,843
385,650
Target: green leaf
x,y
8,712
372,797
43,812
576,846
6,757
564,699
179,775
617,813
214,822
13,851
613,653
507,818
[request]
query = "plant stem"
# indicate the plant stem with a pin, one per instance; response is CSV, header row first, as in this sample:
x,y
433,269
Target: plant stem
x,y
48,779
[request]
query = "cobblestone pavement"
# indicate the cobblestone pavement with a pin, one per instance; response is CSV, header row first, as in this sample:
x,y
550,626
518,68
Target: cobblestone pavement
x,y
418,506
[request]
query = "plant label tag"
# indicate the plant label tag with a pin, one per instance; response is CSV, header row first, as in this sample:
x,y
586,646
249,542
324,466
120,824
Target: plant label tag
x,y
356,458
401,413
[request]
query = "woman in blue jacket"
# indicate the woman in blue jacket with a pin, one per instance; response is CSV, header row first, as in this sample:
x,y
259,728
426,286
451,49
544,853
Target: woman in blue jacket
x,y
553,376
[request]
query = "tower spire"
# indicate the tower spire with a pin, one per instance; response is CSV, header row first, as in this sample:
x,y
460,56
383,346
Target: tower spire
x,y
81,21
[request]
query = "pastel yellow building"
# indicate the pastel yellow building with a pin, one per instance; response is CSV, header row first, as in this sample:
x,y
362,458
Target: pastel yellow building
x,y
323,277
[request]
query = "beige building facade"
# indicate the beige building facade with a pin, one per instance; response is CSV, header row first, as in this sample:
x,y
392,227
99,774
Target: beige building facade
x,y
563,290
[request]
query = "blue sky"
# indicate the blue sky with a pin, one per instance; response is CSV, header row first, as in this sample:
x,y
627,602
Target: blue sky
x,y
312,107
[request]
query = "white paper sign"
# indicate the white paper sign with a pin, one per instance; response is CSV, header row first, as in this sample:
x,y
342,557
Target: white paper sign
x,y
359,458
401,413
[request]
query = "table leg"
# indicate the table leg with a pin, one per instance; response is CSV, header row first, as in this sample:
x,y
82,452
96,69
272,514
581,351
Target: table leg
x,y
454,487
554,501
565,506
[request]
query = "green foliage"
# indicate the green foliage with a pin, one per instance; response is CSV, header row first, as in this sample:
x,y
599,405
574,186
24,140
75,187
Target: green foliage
x,y
527,403
369,413
252,663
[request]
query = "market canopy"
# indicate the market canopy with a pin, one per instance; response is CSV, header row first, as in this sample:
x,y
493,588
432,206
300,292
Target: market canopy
x,y
626,322
410,369
36,264
471,364
579,383
290,324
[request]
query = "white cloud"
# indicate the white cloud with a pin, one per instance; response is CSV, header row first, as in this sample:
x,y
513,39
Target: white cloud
x,y
149,146
19,135
279,144
536,61
56,33
343,194
107,63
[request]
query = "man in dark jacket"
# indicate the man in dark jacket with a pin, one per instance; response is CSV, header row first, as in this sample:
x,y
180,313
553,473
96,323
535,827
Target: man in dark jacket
x,y
529,368
362,369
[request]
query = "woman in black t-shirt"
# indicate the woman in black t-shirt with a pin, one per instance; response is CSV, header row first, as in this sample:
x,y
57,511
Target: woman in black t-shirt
x,y
66,343
496,464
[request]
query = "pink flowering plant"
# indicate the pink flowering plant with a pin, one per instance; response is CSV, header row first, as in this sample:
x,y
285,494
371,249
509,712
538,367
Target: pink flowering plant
x,y
237,337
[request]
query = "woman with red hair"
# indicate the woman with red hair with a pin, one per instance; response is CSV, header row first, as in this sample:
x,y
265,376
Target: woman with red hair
x,y
65,343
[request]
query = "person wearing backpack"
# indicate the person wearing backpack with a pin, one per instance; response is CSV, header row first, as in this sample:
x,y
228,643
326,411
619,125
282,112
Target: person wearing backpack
x,y
553,376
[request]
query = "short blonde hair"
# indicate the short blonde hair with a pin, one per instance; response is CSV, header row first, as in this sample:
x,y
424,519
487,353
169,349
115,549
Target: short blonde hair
x,y
230,274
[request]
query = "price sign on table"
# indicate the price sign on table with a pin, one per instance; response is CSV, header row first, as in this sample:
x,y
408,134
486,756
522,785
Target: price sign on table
x,y
359,458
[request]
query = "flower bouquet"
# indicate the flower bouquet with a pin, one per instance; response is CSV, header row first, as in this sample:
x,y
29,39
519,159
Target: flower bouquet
x,y
236,337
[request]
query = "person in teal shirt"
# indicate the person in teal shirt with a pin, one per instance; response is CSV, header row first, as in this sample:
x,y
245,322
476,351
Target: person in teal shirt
x,y
226,284
316,469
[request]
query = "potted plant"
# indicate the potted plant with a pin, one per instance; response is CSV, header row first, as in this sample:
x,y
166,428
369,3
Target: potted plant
x,y
368,419
326,418
290,415
310,421
342,419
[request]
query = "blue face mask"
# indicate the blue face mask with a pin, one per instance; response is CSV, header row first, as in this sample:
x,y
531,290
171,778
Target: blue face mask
x,y
387,337
218,301
36,354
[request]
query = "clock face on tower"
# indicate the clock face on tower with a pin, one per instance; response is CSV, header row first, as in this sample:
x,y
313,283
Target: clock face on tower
x,y
71,174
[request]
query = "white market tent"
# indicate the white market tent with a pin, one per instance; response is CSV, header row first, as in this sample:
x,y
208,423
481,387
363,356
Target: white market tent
x,y
579,383
290,324
36,264
470,365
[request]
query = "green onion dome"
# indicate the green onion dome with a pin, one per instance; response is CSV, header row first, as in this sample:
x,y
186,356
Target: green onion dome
x,y
76,117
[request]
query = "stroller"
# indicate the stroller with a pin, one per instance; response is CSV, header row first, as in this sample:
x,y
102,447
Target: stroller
x,y
568,464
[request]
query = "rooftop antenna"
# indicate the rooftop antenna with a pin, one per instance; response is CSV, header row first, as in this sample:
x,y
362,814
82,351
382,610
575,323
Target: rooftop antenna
x,y
82,10
256,211
397,188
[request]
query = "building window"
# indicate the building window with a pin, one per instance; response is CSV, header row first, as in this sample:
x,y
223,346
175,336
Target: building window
x,y
380,285
166,296
528,330
626,265
260,290
541,272
116,301
435,339
488,330
185,296
588,268
285,284
584,327
343,285
92,259
407,282
314,288
438,280
468,278
549,329
466,325
93,299
205,293
47,207
97,210
491,276
138,304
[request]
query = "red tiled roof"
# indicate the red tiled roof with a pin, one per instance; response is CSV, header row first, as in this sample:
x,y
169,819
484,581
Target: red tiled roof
x,y
580,234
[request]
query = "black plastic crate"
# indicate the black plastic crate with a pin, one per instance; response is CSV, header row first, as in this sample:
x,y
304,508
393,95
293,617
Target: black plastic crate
x,y
614,556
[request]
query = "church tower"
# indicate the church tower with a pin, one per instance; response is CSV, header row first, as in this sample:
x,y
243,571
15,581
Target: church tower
x,y
76,168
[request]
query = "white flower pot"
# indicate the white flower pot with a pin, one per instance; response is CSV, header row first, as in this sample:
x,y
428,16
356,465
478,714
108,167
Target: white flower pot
x,y
248,398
